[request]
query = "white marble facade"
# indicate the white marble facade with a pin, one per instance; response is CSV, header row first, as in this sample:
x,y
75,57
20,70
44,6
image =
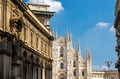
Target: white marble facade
x,y
68,62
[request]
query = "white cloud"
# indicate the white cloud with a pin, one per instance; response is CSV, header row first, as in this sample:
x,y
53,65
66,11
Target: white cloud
x,y
112,29
55,6
100,68
102,24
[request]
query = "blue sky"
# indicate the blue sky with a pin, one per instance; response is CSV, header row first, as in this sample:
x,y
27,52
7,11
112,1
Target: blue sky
x,y
91,22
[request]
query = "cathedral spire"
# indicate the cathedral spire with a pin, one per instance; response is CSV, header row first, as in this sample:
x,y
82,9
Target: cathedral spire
x,y
79,46
78,50
88,55
56,35
70,36
67,37
89,63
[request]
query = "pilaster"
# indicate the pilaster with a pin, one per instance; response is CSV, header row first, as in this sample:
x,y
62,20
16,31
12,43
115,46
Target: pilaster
x,y
43,71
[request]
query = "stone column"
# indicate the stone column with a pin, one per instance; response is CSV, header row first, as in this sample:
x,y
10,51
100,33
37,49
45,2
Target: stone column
x,y
5,66
43,71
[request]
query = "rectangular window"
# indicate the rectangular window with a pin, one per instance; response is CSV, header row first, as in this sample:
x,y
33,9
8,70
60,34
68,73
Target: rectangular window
x,y
61,65
31,38
61,54
41,46
36,42
74,64
25,33
74,73
45,49
83,73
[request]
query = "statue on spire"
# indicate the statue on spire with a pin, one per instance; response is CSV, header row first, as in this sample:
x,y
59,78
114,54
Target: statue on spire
x,y
79,51
70,36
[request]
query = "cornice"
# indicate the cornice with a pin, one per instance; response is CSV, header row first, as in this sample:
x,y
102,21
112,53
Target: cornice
x,y
37,53
20,4
34,19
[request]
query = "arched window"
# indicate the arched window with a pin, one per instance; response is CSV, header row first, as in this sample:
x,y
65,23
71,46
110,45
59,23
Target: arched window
x,y
61,52
74,73
61,66
74,63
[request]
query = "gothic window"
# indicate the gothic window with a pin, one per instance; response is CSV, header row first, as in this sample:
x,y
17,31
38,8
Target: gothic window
x,y
61,52
83,73
74,73
74,63
61,66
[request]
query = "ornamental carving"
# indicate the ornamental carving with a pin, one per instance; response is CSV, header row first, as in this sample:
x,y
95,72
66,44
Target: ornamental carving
x,y
16,25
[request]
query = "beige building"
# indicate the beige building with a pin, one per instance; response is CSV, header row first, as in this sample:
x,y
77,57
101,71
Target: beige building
x,y
68,62
113,74
25,40
117,27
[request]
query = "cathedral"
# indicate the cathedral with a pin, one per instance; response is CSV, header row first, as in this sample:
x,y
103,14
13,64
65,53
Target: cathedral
x,y
68,62
25,40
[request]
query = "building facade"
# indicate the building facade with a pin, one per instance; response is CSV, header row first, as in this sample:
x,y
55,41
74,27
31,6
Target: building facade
x,y
67,62
112,74
25,40
117,27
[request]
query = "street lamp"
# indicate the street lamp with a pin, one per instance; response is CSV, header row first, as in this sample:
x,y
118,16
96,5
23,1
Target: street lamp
x,y
108,63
